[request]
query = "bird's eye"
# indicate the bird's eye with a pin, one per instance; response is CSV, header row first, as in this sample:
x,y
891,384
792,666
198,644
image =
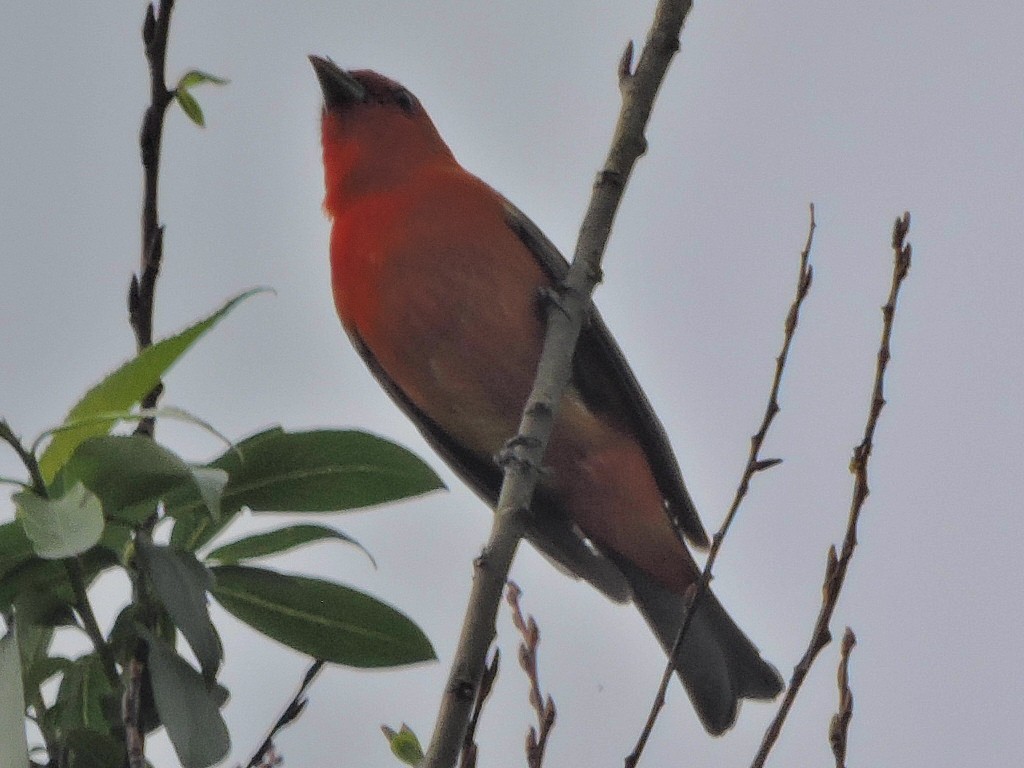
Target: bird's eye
x,y
405,100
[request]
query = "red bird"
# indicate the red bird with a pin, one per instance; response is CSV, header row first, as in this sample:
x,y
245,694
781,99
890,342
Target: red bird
x,y
436,279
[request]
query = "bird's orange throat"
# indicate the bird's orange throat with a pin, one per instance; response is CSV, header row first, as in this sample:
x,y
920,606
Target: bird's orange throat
x,y
369,155
365,156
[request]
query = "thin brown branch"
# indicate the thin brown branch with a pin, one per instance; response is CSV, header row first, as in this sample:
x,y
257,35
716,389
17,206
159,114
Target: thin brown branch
x,y
836,566
142,289
525,453
132,715
754,465
839,727
469,747
26,456
536,738
266,754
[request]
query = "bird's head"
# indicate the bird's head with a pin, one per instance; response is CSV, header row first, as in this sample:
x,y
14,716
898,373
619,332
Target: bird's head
x,y
374,131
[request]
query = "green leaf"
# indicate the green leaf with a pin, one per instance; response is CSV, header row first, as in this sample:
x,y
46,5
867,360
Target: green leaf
x,y
131,415
15,548
34,645
13,744
126,470
321,619
277,541
37,666
404,744
181,582
116,538
44,608
129,472
33,574
125,387
188,707
318,471
62,527
38,574
125,636
86,698
43,669
210,482
89,749
323,471
190,107
197,77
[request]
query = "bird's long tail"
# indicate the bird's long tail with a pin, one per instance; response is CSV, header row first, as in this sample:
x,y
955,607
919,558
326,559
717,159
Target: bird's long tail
x,y
717,663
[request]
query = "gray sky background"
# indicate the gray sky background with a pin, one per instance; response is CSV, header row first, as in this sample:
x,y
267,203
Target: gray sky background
x,y
866,109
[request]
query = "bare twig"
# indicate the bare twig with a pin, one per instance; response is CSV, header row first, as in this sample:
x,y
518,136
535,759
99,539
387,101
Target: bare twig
x,y
272,759
525,452
142,289
26,456
754,465
839,727
469,747
134,735
267,755
836,566
536,738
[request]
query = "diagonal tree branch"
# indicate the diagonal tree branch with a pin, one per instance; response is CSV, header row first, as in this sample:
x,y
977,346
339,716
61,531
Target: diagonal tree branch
x,y
523,456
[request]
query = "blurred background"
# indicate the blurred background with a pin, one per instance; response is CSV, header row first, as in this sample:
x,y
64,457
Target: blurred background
x,y
866,109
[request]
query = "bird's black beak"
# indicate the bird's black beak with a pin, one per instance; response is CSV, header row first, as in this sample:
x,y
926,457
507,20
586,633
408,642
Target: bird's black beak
x,y
339,87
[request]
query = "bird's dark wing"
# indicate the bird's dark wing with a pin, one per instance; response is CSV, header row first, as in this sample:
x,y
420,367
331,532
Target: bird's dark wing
x,y
547,528
608,386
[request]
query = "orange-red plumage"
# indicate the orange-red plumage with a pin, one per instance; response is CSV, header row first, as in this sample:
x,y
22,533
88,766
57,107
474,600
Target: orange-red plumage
x,y
436,279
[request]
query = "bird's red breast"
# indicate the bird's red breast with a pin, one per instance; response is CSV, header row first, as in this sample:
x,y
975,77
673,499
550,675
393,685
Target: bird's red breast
x,y
427,272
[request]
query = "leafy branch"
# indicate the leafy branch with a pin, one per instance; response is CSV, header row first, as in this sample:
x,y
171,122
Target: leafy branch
x,y
94,498
60,543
